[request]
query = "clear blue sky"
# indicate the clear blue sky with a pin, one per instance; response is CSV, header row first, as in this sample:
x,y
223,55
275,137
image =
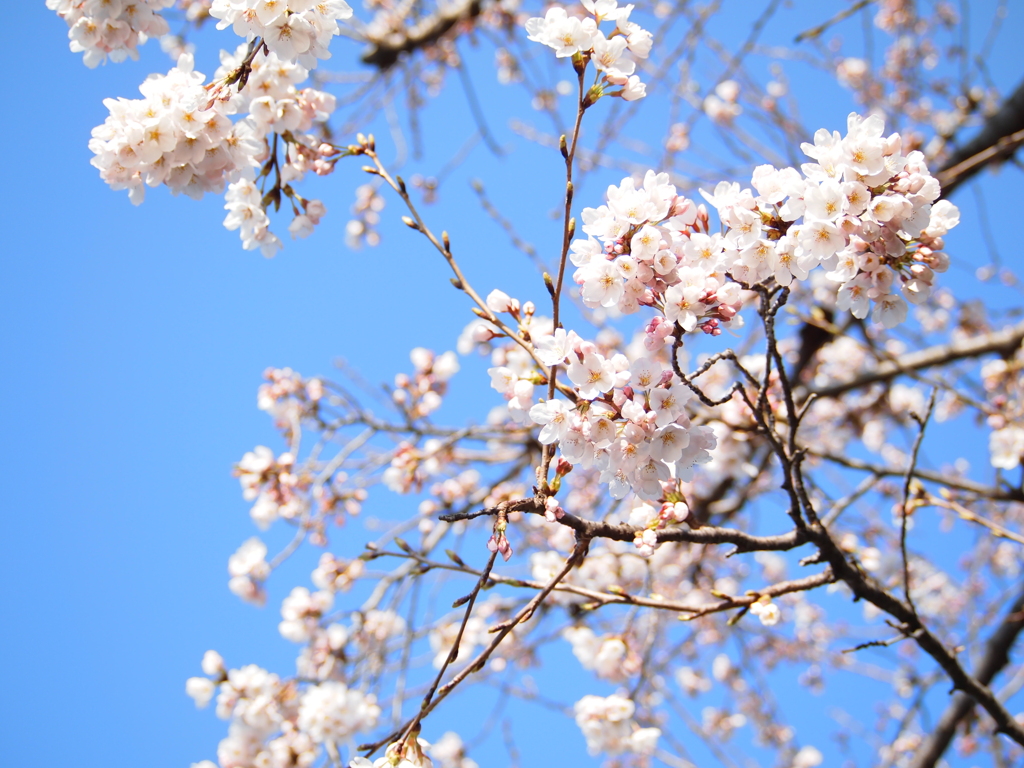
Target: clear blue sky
x,y
132,341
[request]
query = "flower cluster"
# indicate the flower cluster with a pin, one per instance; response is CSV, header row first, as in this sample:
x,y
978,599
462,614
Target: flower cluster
x,y
248,569
178,135
296,30
610,657
615,55
868,215
244,204
864,212
260,705
420,395
652,248
333,712
362,227
767,611
301,612
628,421
608,726
272,98
273,484
1004,386
649,521
181,135
287,396
115,28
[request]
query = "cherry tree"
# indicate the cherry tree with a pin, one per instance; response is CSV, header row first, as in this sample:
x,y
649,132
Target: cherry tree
x,y
714,450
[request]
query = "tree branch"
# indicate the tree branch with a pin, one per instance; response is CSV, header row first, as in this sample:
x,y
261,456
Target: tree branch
x,y
387,48
998,139
1004,342
996,656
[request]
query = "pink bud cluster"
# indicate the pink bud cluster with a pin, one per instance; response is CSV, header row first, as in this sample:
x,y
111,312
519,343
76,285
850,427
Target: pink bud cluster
x,y
420,394
411,466
296,30
275,486
287,396
615,56
178,135
114,28
499,542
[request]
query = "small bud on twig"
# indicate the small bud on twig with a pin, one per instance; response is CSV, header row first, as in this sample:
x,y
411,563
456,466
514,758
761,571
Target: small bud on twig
x,y
455,558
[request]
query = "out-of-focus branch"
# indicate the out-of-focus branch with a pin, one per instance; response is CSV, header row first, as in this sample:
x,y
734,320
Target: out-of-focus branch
x,y
996,656
999,138
961,484
1003,342
385,50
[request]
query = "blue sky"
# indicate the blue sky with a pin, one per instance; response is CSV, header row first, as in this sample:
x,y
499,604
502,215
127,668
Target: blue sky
x,y
133,340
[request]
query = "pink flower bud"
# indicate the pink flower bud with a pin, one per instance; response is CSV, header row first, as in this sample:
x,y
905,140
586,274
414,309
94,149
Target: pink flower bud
x,y
499,301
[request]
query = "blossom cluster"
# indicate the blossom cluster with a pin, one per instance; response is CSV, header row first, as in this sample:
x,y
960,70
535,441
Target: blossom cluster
x,y
649,246
296,30
272,726
864,212
287,396
273,484
177,134
248,569
614,55
610,657
1004,386
272,98
181,134
608,726
114,28
420,395
629,421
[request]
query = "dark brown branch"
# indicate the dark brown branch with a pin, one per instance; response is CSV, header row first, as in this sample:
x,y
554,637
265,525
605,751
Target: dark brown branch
x,y
598,529
996,656
865,587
